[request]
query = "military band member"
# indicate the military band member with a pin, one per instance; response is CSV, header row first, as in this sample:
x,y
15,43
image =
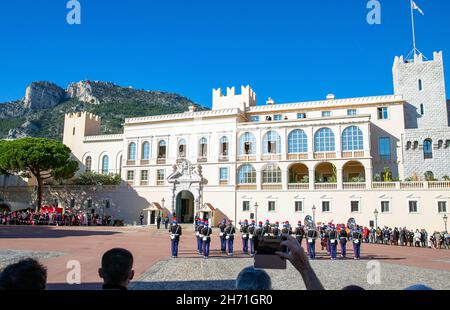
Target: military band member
x,y
223,241
206,239
311,237
229,236
333,239
299,232
259,231
251,236
244,231
175,233
343,236
266,229
276,230
287,229
200,237
356,240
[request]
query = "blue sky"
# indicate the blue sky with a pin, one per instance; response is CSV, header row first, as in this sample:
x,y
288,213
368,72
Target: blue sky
x,y
290,50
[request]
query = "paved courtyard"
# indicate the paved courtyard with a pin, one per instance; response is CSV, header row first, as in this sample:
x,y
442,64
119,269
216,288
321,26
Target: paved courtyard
x,y
55,246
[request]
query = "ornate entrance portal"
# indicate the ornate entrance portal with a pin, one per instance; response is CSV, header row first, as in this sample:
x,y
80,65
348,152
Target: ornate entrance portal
x,y
187,190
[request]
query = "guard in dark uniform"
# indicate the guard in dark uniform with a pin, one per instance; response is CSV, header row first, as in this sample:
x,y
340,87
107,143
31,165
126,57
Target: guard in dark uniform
x,y
251,236
287,229
343,236
311,237
175,233
244,232
259,231
266,229
276,230
229,236
223,241
206,239
356,240
299,232
333,239
199,235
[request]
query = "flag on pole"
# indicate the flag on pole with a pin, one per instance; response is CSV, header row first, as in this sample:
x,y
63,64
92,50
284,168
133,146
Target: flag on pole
x,y
416,7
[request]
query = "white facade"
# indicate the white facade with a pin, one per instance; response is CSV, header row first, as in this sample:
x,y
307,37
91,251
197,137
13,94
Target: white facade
x,y
285,158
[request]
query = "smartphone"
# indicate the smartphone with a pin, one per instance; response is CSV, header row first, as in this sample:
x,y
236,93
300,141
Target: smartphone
x,y
265,249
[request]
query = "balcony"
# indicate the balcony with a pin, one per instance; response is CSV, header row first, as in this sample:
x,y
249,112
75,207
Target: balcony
x,y
161,161
439,184
247,158
384,185
302,156
271,157
271,187
412,185
353,154
223,159
354,185
298,186
325,186
328,155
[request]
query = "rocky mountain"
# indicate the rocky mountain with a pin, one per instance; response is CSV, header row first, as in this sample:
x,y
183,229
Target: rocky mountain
x,y
41,112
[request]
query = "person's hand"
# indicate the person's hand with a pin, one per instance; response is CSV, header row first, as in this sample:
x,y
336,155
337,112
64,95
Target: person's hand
x,y
296,254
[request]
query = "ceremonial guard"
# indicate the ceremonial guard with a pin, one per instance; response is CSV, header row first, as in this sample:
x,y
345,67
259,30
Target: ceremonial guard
x,y
251,236
223,241
299,232
206,239
259,231
333,238
175,233
276,230
229,236
244,232
287,229
311,236
199,235
343,236
357,239
266,229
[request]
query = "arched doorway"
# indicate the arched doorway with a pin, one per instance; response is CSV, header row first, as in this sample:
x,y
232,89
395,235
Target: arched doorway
x,y
185,207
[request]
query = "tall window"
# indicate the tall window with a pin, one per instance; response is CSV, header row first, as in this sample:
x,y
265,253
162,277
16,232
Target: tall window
x,y
160,176
298,142
182,148
420,85
224,146
442,206
326,206
132,151
427,149
422,109
246,206
223,174
130,175
271,143
298,206
383,113
144,175
385,207
162,149
105,164
412,204
384,148
247,144
271,174
324,140
352,139
354,206
247,175
271,206
88,164
146,151
203,147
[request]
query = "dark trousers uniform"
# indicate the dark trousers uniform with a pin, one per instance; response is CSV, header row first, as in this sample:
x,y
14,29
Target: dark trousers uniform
x,y
206,244
245,243
311,248
343,242
357,248
223,243
175,243
230,242
333,248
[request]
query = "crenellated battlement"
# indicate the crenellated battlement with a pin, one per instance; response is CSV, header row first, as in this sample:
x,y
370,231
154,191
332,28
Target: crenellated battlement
x,y
242,101
83,115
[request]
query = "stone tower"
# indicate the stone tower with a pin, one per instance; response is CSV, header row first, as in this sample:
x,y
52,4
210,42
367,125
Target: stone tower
x,y
77,126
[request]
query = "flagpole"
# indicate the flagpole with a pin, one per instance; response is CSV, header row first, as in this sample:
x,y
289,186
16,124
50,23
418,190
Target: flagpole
x,y
413,29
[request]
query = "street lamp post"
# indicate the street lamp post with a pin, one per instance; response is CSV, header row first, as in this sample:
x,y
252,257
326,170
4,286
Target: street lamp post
x,y
445,222
256,212
163,201
375,213
314,213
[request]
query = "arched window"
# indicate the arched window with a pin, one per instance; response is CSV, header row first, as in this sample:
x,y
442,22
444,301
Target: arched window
x,y
203,147
162,148
271,143
247,175
324,140
247,144
224,146
132,151
427,149
298,142
352,139
88,164
146,151
182,148
271,174
105,164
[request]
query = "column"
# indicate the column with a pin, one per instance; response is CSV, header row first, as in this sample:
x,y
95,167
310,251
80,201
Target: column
x,y
339,178
258,179
310,134
312,177
369,177
338,142
284,179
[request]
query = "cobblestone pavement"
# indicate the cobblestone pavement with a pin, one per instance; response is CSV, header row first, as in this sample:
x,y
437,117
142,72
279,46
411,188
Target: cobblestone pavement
x,y
220,274
8,257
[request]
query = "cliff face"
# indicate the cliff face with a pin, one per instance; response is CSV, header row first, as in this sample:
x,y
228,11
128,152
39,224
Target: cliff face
x,y
41,112
43,95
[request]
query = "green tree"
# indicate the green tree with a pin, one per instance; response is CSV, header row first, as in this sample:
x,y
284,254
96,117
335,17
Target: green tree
x,y
42,158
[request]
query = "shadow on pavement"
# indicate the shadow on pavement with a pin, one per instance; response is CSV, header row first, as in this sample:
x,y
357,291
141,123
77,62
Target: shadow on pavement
x,y
26,232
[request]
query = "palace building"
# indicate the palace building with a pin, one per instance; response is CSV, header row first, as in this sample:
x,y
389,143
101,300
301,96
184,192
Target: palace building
x,y
382,160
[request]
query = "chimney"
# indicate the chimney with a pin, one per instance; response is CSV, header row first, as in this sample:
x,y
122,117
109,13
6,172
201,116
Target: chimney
x,y
331,97
270,101
192,108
